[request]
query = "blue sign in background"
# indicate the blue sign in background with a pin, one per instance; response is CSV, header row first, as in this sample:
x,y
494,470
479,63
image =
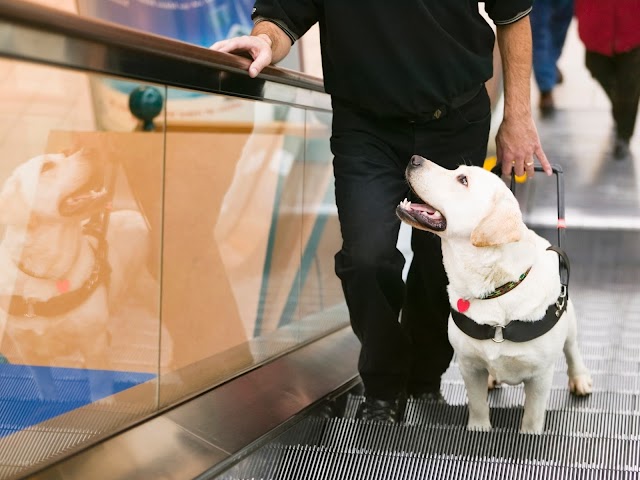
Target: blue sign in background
x,y
201,22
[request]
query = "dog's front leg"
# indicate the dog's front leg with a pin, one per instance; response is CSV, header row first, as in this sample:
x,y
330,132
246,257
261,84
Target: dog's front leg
x,y
536,391
580,382
475,381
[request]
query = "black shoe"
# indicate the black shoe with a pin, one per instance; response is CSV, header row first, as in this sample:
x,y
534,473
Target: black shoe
x,y
621,149
430,397
547,105
377,410
333,408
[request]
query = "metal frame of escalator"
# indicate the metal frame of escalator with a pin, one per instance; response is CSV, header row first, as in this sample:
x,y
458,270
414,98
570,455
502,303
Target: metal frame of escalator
x,y
183,447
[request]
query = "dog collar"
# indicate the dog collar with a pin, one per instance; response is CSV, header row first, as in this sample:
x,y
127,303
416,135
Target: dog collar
x,y
463,304
61,304
62,284
507,287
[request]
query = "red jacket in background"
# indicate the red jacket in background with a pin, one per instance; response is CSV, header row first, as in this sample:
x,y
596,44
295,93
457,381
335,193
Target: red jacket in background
x,y
608,26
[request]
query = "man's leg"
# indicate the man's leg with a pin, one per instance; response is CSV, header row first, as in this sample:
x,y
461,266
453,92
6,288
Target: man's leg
x,y
627,93
425,315
560,21
369,185
602,70
460,138
544,63
621,89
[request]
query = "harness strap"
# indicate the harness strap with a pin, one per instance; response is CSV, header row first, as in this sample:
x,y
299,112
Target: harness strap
x,y
564,265
514,331
519,330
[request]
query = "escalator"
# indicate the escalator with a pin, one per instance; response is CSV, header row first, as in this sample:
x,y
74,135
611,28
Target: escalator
x,y
594,437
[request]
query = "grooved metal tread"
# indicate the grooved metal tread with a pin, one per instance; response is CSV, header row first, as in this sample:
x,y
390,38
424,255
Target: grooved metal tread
x,y
433,442
597,437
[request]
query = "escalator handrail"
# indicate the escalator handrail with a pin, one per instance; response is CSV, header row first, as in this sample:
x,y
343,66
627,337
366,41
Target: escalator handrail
x,y
77,27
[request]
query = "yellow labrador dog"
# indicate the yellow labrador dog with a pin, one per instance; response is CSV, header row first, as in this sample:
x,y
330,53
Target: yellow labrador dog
x,y
58,284
510,319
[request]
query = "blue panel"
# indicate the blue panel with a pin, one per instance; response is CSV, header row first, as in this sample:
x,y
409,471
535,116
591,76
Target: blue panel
x,y
30,395
198,22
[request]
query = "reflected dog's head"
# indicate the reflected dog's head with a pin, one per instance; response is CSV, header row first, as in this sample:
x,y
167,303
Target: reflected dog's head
x,y
468,203
53,188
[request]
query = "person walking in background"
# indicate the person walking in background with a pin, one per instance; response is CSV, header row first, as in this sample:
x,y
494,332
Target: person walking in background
x,y
403,80
610,31
550,21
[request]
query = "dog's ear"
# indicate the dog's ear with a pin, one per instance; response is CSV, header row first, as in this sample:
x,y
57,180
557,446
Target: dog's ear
x,y
501,225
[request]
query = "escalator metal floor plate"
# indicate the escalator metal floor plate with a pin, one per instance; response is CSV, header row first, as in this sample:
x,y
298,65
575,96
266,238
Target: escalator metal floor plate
x,y
597,437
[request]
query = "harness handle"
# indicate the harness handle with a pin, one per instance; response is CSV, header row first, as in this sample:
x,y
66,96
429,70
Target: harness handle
x,y
562,224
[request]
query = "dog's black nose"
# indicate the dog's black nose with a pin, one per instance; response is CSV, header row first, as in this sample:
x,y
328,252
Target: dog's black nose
x,y
417,161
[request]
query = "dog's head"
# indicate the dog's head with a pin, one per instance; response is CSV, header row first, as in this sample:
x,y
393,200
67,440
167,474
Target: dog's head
x,y
468,203
53,187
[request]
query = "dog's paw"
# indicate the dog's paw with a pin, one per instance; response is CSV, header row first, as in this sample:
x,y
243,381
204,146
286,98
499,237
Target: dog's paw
x,y
581,385
479,426
531,430
533,424
492,383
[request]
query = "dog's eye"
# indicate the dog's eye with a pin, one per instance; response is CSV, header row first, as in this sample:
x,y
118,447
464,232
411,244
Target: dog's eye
x,y
46,166
463,180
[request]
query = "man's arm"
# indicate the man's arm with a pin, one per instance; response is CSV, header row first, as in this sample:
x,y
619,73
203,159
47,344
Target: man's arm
x,y
267,44
517,139
280,42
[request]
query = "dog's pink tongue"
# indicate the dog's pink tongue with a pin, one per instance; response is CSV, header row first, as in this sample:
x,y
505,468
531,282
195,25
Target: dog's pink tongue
x,y
423,208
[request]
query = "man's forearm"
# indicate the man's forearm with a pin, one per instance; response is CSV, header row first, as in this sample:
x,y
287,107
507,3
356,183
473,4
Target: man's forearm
x,y
272,34
514,41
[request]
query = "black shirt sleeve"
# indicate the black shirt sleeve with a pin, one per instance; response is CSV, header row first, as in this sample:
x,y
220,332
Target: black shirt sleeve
x,y
294,17
503,12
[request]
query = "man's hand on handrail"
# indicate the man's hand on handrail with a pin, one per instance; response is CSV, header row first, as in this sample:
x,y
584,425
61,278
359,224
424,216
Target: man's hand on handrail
x,y
267,45
258,46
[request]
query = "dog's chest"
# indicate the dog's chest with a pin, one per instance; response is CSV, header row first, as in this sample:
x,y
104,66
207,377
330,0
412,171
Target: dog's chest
x,y
506,365
508,362
510,367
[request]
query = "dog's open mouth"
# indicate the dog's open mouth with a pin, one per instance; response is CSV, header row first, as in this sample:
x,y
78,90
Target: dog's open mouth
x,y
421,215
88,198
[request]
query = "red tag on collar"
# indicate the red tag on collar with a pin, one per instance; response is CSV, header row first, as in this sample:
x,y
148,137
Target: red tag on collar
x,y
463,305
63,285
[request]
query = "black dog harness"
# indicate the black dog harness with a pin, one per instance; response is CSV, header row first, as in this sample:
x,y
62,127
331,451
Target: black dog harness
x,y
519,330
64,303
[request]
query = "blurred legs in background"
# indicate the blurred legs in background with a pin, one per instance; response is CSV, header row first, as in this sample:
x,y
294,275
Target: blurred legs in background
x,y
550,20
619,76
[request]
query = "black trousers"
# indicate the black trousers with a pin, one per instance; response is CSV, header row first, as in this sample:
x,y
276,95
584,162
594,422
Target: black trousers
x,y
619,76
402,330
